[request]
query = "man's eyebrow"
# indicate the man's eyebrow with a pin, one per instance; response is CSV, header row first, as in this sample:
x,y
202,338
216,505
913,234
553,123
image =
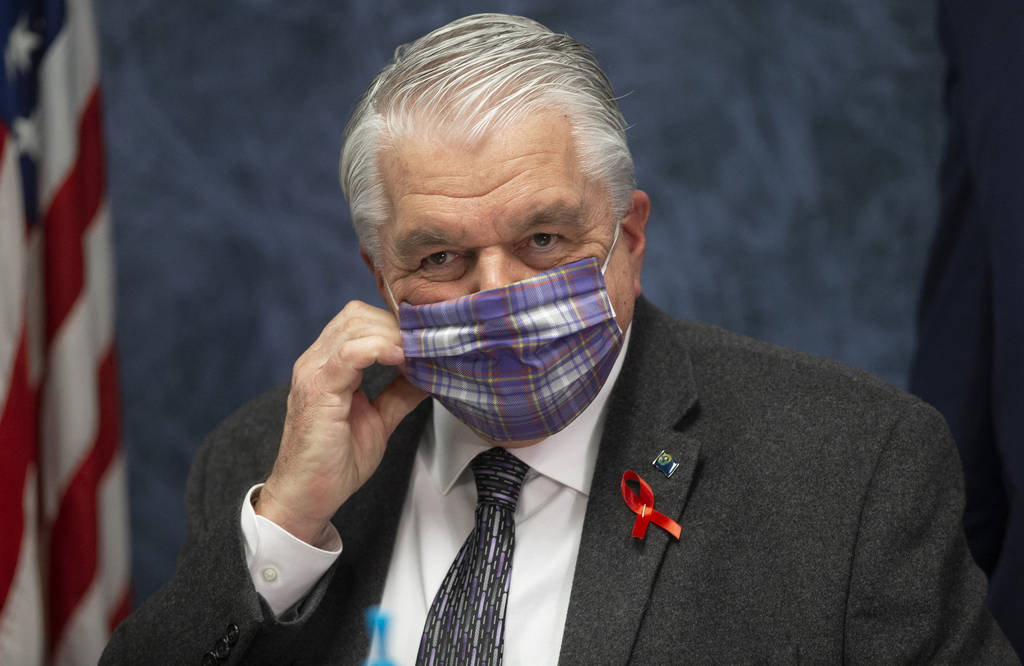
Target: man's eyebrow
x,y
561,215
410,244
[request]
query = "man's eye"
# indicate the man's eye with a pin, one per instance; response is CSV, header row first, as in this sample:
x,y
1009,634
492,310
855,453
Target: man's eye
x,y
437,259
543,240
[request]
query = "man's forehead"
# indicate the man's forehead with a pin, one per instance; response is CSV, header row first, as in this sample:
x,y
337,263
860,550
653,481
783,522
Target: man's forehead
x,y
424,150
458,194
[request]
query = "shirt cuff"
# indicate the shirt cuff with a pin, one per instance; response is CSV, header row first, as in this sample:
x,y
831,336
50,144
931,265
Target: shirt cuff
x,y
283,567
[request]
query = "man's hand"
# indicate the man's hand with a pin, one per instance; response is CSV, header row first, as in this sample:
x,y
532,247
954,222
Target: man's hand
x,y
334,437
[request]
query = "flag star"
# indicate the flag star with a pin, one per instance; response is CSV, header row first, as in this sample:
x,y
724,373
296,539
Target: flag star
x,y
21,43
26,136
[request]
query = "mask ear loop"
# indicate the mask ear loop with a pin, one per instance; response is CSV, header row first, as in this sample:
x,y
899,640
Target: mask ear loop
x,y
615,239
390,295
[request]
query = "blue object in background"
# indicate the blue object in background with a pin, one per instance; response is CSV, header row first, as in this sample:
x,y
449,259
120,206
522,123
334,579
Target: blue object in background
x,y
789,148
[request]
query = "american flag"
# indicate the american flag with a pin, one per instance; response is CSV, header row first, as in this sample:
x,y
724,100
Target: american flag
x,y
64,556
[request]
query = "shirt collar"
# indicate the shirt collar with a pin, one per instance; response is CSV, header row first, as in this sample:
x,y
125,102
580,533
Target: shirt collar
x,y
568,456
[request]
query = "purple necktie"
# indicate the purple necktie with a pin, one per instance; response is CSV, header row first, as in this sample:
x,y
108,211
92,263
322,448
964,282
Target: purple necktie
x,y
466,622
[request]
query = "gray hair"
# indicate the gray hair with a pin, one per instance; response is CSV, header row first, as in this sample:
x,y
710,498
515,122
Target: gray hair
x,y
473,75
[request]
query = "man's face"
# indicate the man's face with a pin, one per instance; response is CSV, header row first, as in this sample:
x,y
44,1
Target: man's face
x,y
470,219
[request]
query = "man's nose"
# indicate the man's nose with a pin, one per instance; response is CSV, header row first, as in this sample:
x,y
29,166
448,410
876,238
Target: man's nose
x,y
497,267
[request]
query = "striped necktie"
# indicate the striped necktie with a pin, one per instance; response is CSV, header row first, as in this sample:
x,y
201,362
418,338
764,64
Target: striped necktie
x,y
466,622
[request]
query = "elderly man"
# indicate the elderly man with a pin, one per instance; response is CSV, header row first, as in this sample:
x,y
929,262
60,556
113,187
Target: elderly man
x,y
590,481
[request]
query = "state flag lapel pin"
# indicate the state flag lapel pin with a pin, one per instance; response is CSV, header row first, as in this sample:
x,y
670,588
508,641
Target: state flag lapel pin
x,y
665,463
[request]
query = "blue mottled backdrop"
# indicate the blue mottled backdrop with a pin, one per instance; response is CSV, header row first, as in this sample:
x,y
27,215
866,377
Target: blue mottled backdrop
x,y
789,148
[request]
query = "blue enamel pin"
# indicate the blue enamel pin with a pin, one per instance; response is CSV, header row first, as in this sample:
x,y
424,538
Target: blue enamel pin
x,y
665,463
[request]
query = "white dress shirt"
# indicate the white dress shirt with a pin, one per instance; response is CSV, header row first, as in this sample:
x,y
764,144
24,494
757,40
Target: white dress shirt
x,y
438,515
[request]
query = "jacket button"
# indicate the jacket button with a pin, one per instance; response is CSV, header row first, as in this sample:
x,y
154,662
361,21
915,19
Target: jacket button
x,y
231,633
223,649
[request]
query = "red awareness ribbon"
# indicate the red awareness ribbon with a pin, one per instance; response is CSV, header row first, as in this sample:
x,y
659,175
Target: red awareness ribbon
x,y
643,506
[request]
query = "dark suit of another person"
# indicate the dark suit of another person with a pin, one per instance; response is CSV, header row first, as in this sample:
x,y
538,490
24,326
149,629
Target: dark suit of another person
x,y
820,513
970,356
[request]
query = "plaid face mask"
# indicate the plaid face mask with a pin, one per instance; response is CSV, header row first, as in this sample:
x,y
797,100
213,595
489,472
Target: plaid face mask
x,y
519,362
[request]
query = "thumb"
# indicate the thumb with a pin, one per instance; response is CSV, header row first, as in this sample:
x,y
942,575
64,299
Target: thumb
x,y
396,401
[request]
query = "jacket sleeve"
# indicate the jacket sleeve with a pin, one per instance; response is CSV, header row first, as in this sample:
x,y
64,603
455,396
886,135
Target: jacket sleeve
x,y
915,594
209,611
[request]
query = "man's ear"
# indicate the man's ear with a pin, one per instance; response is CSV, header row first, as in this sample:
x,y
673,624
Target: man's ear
x,y
377,275
634,233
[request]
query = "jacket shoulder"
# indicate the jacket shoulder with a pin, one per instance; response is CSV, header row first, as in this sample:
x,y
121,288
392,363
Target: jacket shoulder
x,y
751,395
744,366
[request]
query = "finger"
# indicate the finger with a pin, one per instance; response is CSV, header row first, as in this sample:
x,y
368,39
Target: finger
x,y
342,372
356,320
357,314
362,323
361,309
396,401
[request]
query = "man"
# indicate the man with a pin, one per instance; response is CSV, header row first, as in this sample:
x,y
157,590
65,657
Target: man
x,y
491,187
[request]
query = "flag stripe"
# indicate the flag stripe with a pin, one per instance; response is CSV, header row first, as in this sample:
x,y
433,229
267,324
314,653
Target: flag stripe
x,y
17,434
85,634
73,208
123,607
114,579
70,403
12,255
21,618
34,310
67,80
76,528
17,425
105,601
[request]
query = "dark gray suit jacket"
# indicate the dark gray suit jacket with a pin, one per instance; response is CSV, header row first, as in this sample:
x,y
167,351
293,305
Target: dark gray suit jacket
x,y
820,513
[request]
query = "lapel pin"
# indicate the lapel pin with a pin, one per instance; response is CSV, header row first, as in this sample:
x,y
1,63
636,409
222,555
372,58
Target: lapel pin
x,y
642,504
665,463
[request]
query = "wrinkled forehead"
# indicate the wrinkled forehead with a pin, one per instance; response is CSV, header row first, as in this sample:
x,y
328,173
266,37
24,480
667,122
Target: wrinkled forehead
x,y
541,138
511,171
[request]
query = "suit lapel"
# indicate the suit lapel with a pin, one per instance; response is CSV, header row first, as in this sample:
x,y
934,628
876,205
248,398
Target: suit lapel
x,y
646,413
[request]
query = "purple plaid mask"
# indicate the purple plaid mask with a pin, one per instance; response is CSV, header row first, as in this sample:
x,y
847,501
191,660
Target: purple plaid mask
x,y
519,362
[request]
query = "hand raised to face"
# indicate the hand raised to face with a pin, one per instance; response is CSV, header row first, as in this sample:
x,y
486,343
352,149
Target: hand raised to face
x,y
334,437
